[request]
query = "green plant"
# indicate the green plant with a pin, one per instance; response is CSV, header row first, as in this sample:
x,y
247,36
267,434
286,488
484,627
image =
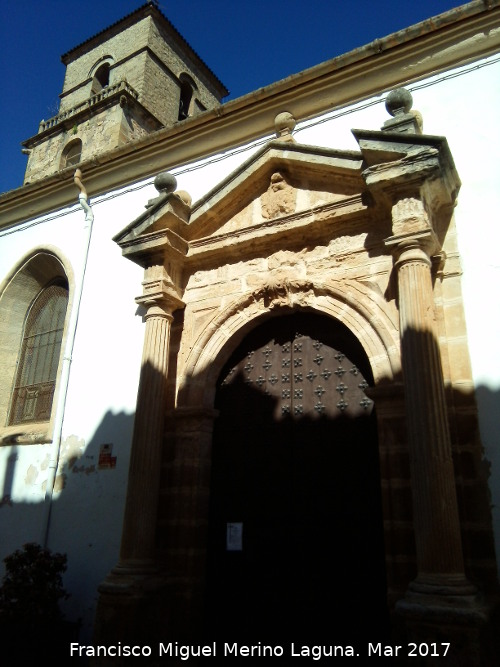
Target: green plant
x,y
32,586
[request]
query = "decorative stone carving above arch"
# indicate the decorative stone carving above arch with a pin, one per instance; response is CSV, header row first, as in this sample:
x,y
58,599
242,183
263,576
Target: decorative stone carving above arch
x,y
279,198
356,305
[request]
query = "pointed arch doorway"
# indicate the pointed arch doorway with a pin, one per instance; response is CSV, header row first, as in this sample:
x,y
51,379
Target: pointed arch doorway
x,y
295,548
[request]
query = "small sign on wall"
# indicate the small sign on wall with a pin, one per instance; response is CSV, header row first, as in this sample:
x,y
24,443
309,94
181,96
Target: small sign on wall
x,y
234,536
105,458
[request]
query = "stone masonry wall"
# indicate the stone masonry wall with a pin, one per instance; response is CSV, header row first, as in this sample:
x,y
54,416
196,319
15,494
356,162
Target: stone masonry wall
x,y
160,92
154,75
78,79
150,59
178,63
102,132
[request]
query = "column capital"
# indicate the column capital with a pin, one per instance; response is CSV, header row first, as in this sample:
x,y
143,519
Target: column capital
x,y
159,293
411,228
160,303
413,247
409,215
410,176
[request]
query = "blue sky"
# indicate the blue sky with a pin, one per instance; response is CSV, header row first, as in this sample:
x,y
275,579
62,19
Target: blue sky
x,y
247,43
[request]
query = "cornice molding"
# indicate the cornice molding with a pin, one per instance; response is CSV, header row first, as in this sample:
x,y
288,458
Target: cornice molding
x,y
458,37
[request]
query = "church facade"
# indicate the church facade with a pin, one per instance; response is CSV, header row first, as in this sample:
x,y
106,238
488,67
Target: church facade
x,y
248,358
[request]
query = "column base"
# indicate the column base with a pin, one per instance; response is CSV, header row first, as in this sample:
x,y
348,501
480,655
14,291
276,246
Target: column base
x,y
141,606
446,622
129,608
446,587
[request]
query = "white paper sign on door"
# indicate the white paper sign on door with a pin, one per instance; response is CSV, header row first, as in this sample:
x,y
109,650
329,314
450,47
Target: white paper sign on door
x,y
234,536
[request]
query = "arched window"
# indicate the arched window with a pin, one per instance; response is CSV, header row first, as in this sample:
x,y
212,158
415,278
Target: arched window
x,y
72,154
101,78
39,356
188,87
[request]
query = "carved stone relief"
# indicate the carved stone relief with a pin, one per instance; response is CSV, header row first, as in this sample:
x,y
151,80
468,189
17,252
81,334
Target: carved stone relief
x,y
279,199
409,215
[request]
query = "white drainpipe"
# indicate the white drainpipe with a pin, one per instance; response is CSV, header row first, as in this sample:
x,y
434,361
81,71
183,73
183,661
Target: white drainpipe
x,y
66,362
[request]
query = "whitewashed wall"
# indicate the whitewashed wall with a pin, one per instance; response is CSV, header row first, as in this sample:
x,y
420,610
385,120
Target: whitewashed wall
x,y
87,514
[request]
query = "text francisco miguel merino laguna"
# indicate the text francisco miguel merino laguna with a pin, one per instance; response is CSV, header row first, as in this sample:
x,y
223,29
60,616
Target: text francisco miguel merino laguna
x,y
232,650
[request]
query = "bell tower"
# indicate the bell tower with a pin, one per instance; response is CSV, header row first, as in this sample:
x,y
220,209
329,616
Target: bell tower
x,y
137,76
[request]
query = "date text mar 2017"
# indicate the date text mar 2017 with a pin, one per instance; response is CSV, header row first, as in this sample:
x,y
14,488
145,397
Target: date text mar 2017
x,y
412,650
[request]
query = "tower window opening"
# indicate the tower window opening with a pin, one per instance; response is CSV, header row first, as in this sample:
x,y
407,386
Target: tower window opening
x,y
185,102
72,154
101,78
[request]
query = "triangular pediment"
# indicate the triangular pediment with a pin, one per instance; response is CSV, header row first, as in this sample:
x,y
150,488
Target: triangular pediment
x,y
284,188
281,181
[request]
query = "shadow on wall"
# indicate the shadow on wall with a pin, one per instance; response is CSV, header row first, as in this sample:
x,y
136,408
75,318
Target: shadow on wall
x,y
285,559
244,468
488,404
86,513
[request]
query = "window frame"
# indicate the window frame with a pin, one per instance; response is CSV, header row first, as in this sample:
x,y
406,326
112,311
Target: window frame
x,y
18,290
69,156
34,355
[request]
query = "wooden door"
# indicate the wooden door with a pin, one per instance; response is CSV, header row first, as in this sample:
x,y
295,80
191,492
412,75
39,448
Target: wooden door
x,y
295,544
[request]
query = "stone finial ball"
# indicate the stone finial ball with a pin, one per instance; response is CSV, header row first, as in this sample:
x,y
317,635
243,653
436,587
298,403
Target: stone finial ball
x,y
165,182
398,101
284,123
184,196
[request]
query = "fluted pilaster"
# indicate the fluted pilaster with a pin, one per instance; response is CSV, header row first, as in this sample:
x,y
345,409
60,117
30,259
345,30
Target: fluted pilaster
x,y
436,520
144,474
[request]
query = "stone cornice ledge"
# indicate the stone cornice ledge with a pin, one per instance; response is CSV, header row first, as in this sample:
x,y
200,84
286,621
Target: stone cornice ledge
x,y
455,38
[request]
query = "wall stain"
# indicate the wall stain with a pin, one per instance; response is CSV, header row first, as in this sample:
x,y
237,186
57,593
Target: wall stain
x,y
6,500
31,475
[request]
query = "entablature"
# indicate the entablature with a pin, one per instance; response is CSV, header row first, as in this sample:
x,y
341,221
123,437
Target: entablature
x,y
289,196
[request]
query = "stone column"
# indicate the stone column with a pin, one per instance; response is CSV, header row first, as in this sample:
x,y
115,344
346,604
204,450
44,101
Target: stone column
x,y
139,525
436,521
412,177
130,600
440,605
